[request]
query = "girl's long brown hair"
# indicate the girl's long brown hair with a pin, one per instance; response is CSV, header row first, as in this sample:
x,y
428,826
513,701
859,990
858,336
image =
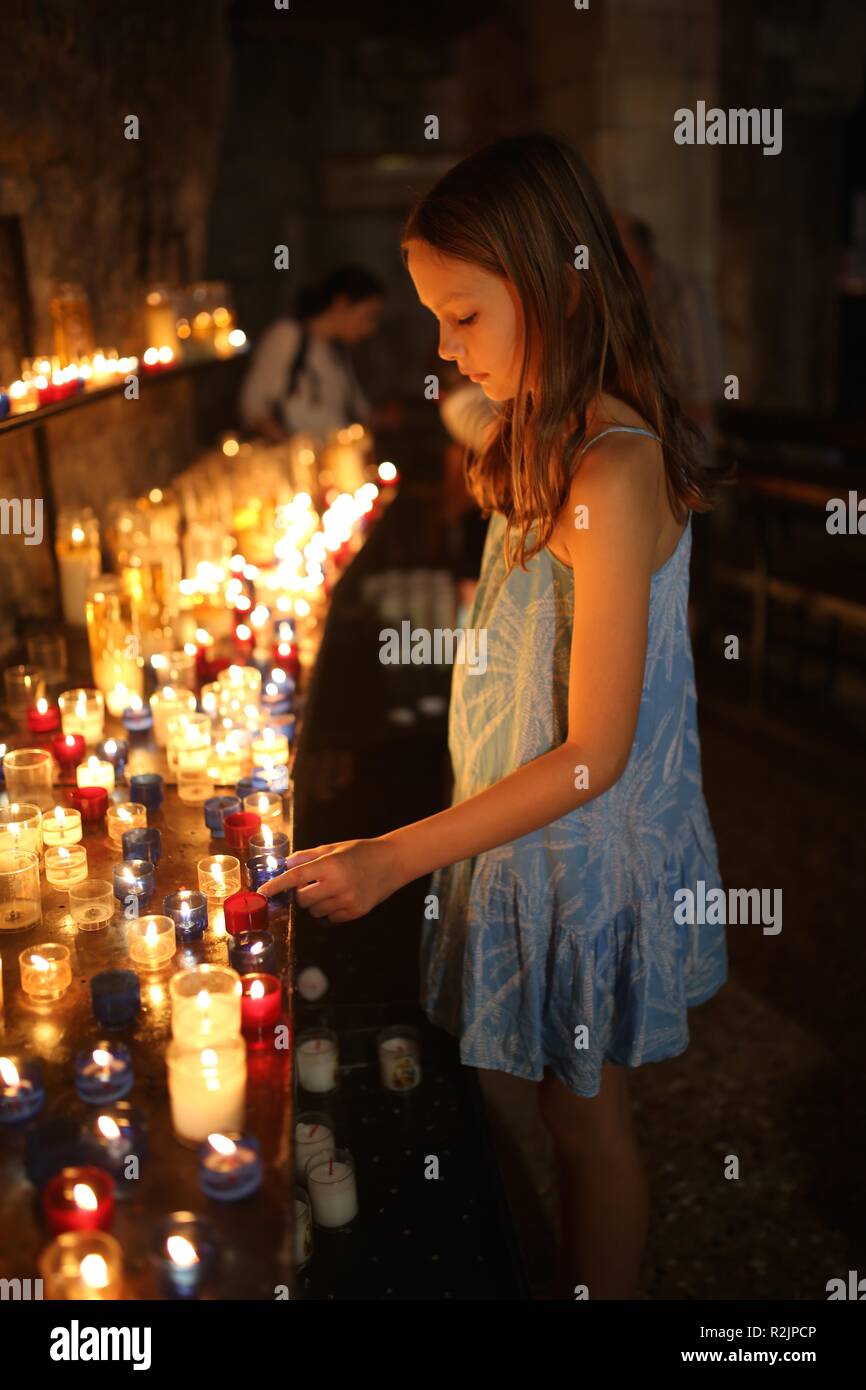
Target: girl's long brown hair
x,y
520,208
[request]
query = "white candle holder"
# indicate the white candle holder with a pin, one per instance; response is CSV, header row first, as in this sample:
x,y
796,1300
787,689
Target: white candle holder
x,y
205,1005
82,711
21,827
127,815
61,827
82,1265
316,1059
152,941
65,866
20,891
332,1188
46,972
206,1088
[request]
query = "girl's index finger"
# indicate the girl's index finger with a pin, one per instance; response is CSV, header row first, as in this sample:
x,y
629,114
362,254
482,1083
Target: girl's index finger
x,y
296,877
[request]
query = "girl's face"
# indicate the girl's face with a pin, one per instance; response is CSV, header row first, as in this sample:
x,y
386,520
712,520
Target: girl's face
x,y
481,322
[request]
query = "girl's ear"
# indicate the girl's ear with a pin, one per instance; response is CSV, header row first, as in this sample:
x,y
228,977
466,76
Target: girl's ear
x,y
572,280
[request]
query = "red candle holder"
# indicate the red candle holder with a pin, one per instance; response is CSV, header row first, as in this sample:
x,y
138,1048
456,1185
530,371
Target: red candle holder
x,y
79,1199
239,827
43,721
245,912
261,1002
92,802
68,749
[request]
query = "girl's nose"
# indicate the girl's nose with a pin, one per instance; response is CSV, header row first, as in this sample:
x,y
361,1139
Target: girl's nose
x,y
448,347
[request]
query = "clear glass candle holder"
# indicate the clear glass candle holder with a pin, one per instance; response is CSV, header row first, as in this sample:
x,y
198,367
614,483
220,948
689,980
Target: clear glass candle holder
x,y
219,875
61,827
46,971
95,772
206,1088
82,1266
185,1254
82,711
188,740
175,668
152,941
24,686
164,704
65,866
20,892
266,841
134,878
30,776
195,785
92,904
21,827
332,1188
268,806
205,1005
127,815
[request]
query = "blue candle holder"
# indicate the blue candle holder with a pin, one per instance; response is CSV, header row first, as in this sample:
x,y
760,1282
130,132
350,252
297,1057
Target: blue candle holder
x,y
247,785
253,951
4,405
54,1142
103,1073
24,1097
230,1166
137,721
116,997
188,910
148,788
142,842
114,751
113,1135
260,871
275,778
134,878
185,1279
216,808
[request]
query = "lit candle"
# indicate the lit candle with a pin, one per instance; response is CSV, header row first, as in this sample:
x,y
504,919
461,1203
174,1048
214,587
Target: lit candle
x,y
22,1090
166,702
128,815
268,806
185,1251
219,875
264,867
332,1189
82,1265
21,827
114,751
317,1060
61,827
206,1088
230,1166
65,865
46,972
188,911
152,941
68,749
205,1006
137,717
272,746
268,841
114,1135
134,878
261,1002
95,773
82,711
253,951
103,1073
43,718
79,1199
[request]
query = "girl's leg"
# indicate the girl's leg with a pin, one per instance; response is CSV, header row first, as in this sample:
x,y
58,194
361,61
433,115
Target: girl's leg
x,y
603,1188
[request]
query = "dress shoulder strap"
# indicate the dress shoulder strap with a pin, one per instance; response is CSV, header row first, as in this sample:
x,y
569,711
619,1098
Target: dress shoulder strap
x,y
616,429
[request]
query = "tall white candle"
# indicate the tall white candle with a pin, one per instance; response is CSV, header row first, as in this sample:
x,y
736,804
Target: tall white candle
x,y
317,1063
206,1089
332,1189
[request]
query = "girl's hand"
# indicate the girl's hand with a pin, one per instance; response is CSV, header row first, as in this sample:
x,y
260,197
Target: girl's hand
x,y
339,882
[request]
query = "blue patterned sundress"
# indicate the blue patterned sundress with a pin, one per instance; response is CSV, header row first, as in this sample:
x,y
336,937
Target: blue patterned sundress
x,y
574,924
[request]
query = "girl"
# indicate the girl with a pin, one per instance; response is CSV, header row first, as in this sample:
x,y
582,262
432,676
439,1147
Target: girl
x,y
557,953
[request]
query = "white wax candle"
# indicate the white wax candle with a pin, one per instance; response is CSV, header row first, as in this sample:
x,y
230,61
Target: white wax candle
x,y
206,1089
333,1194
272,746
95,773
317,1064
62,826
398,1064
206,1019
65,866
311,1139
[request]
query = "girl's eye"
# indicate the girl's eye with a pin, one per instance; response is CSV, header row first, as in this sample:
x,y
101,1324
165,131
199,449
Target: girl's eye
x,y
470,319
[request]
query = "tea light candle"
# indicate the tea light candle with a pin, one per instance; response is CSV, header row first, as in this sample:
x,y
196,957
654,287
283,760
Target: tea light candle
x,y
43,718
228,762
92,802
116,997
134,878
166,702
205,1006
272,746
137,718
142,842
68,749
185,1254
245,912
206,1088
22,1090
230,1166
147,788
46,972
65,866
113,1135
128,815
303,1228
219,875
261,1002
82,711
313,1135
114,751
399,1066
103,1073
275,779
253,951
79,1199
239,827
152,941
91,904
268,806
21,828
316,1056
62,826
82,1265
188,910
215,809
95,773
268,841
332,1188
264,868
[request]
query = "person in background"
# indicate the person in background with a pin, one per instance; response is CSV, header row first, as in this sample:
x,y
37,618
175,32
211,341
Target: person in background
x,y
684,320
301,378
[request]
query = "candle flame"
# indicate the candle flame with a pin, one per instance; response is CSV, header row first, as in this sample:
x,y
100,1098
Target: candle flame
x,y
42,706
263,803
101,1057
184,910
256,948
151,935
217,874
111,748
108,1127
222,1144
271,863
84,1197
209,1058
70,740
203,999
40,963
267,836
257,990
135,702
59,814
62,853
94,1271
181,1251
9,1072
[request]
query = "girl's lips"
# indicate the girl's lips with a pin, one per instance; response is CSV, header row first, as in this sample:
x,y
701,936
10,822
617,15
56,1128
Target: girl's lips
x,y
478,376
